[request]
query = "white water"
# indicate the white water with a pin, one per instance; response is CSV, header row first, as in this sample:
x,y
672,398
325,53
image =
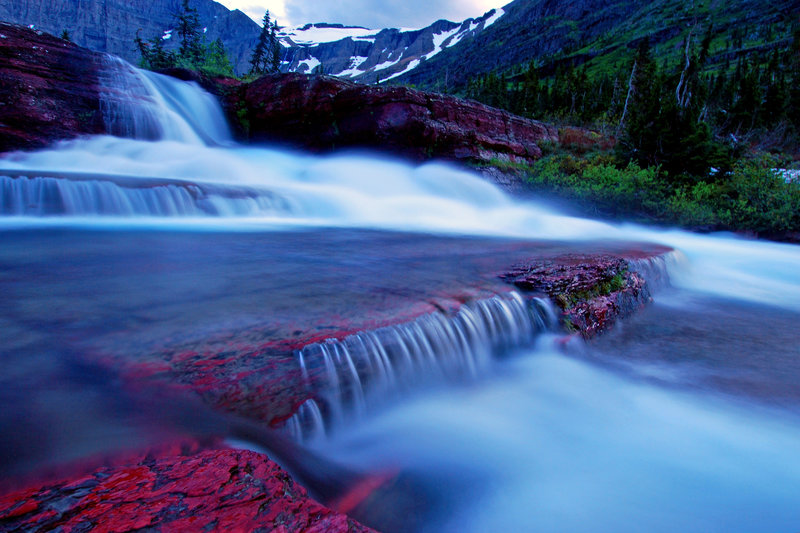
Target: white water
x,y
550,444
558,445
350,190
371,367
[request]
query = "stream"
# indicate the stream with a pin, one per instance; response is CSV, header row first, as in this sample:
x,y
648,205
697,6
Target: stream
x,y
685,418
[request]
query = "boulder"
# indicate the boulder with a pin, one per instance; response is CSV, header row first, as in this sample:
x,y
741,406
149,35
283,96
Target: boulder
x,y
592,291
323,113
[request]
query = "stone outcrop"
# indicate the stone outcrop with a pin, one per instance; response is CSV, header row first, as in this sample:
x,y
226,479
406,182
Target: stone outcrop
x,y
323,113
178,490
54,91
593,292
49,87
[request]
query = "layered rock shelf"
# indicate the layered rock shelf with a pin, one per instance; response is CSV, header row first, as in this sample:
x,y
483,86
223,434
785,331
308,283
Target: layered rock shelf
x,y
234,348
194,337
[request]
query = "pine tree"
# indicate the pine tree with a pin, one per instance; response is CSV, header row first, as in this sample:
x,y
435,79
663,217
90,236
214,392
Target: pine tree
x,y
65,35
216,61
266,56
276,48
154,56
260,51
192,50
793,107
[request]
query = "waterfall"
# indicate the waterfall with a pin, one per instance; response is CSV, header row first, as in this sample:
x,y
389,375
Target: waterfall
x,y
337,191
350,375
145,105
42,195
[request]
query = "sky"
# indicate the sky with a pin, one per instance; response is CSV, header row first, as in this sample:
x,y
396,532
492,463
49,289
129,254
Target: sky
x,y
368,13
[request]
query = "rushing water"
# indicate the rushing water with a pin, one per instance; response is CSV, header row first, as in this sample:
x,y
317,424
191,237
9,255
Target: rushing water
x,y
552,438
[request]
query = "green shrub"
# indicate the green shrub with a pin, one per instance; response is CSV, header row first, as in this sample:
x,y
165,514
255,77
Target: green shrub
x,y
751,197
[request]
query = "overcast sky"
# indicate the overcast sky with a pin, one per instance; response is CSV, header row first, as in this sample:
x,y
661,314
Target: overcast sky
x,y
368,13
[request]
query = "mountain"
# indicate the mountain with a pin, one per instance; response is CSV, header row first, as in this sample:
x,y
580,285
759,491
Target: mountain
x,y
604,33
361,54
111,25
357,53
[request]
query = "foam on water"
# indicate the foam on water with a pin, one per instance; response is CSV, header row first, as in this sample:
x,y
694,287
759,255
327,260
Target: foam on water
x,y
365,191
552,444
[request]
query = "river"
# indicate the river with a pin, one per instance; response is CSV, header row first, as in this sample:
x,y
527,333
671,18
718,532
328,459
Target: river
x,y
684,418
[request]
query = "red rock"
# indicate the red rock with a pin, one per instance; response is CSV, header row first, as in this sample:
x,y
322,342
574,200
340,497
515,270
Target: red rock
x,y
593,291
221,490
324,113
49,89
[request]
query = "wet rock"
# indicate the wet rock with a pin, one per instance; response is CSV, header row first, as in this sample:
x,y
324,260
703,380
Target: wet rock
x,y
219,489
324,113
593,292
49,88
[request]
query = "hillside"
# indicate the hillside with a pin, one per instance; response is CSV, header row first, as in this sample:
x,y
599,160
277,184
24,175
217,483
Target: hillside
x,y
111,25
602,34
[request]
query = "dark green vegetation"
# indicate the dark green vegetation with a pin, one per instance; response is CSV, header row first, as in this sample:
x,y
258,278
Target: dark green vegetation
x,y
194,53
208,58
753,197
267,54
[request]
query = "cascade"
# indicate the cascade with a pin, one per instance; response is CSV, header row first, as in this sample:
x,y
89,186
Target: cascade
x,y
564,444
348,376
146,105
40,195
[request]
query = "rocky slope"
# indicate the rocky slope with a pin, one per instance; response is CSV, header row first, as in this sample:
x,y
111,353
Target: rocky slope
x,y
375,55
603,33
356,53
57,91
111,25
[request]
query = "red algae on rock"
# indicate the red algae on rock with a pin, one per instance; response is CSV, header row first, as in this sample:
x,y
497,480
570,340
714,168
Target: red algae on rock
x,y
218,489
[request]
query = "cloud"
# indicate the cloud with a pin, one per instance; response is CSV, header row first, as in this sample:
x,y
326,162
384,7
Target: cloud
x,y
386,13
255,8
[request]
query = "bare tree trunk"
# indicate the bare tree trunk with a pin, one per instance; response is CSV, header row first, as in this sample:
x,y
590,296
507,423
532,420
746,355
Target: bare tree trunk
x,y
631,90
682,92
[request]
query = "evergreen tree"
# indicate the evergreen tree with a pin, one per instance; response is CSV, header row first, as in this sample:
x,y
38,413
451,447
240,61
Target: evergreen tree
x,y
154,56
276,47
260,51
266,56
65,35
216,61
192,50
793,107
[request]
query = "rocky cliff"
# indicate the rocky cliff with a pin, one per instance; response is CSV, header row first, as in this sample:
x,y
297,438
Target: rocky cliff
x,y
372,55
111,25
56,91
366,55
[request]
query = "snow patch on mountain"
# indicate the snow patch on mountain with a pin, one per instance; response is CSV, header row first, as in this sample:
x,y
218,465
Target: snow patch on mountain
x,y
364,54
314,34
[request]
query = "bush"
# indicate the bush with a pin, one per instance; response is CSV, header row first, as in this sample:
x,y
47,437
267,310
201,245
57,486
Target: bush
x,y
751,197
761,198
